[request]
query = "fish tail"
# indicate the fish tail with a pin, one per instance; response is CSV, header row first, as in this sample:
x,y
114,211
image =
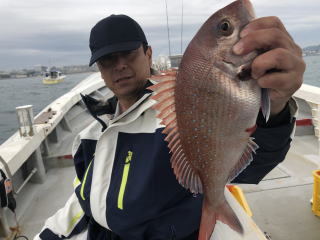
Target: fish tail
x,y
208,222
209,217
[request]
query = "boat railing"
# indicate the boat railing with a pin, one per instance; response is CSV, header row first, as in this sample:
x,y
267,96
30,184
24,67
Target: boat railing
x,y
20,146
311,95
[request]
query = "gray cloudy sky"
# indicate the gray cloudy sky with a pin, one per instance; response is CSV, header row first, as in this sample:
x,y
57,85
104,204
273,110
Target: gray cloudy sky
x,y
56,32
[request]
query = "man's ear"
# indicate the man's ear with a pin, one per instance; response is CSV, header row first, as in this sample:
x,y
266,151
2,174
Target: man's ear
x,y
149,55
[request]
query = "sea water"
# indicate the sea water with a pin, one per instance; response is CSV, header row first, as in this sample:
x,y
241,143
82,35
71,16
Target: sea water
x,y
29,91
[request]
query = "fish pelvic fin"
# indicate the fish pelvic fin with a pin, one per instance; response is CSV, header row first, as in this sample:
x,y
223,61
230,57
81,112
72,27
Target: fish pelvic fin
x,y
265,103
245,159
210,216
164,95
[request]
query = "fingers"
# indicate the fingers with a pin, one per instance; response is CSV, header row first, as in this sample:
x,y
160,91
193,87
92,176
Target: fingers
x,y
265,34
264,23
278,59
280,66
264,40
288,74
280,89
279,81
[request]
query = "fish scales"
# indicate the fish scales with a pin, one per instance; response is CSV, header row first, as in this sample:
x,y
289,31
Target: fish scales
x,y
212,113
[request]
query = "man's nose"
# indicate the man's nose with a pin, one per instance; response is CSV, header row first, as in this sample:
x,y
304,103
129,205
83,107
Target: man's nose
x,y
120,63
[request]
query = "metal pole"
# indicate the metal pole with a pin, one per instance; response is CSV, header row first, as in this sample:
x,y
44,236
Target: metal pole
x,y
26,180
181,26
168,28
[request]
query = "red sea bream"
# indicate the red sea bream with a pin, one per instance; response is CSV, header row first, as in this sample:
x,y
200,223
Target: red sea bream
x,y
209,109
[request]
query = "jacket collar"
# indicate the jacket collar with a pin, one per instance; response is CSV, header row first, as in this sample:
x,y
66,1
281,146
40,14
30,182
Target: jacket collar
x,y
97,108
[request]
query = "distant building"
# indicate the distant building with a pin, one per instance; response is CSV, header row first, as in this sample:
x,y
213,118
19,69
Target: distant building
x,y
175,60
40,68
311,50
4,74
162,63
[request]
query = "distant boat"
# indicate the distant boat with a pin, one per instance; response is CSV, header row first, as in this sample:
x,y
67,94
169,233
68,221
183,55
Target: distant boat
x,y
53,77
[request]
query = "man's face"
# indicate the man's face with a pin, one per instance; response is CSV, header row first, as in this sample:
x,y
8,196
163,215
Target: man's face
x,y
125,73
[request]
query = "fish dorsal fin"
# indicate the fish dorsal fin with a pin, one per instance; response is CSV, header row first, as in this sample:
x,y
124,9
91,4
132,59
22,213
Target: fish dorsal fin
x,y
164,95
245,159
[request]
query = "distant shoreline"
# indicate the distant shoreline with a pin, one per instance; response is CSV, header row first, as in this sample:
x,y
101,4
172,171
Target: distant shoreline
x,y
22,77
311,55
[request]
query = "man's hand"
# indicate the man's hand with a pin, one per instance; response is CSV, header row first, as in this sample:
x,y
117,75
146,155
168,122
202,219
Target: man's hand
x,y
280,68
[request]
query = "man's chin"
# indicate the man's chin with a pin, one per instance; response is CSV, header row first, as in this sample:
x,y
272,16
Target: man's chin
x,y
126,92
128,89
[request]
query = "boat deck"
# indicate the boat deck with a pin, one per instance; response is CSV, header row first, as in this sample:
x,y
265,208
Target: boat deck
x,y
280,203
47,198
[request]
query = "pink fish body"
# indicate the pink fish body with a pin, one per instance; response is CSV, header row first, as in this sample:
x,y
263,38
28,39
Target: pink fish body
x,y
210,110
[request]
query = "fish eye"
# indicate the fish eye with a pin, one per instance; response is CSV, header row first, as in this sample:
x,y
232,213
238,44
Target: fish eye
x,y
225,27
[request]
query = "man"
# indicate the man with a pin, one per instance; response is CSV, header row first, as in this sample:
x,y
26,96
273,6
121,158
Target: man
x,y
125,187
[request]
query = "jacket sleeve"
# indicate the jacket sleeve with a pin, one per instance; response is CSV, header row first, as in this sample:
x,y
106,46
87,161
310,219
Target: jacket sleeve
x,y
67,222
273,138
70,222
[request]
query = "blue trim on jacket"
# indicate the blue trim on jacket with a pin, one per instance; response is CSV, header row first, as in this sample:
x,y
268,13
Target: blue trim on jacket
x,y
82,159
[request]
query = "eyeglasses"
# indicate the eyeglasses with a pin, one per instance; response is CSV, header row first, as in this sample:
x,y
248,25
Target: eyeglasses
x,y
111,59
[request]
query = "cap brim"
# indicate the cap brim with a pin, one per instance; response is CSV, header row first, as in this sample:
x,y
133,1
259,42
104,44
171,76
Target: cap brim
x,y
119,47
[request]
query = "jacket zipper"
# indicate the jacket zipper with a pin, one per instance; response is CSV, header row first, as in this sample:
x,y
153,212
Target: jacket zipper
x,y
84,182
124,180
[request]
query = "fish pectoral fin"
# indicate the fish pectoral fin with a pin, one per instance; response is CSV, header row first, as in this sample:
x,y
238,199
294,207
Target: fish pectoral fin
x,y
245,159
265,103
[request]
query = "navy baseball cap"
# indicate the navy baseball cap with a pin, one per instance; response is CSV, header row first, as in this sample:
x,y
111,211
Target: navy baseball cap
x,y
115,33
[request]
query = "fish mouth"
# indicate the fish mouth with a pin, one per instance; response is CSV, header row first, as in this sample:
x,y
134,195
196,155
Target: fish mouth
x,y
240,67
242,72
